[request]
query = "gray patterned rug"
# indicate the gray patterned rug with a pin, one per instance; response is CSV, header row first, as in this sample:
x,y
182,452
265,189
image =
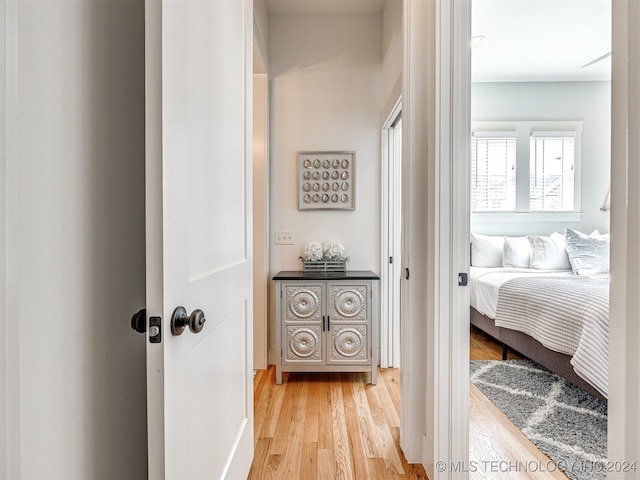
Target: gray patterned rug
x,y
563,421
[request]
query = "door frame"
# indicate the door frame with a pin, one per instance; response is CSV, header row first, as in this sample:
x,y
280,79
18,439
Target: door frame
x,y
10,461
391,247
4,340
260,204
435,314
446,76
624,331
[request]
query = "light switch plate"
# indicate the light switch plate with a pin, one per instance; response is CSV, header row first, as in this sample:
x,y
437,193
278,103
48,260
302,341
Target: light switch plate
x,y
284,238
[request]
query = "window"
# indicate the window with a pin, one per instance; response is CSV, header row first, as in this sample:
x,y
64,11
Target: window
x,y
552,160
525,167
493,173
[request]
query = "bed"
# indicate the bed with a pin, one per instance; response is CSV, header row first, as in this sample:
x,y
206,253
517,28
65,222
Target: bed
x,y
555,315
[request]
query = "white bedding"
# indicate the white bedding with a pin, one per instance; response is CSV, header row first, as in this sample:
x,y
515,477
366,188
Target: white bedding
x,y
485,283
575,323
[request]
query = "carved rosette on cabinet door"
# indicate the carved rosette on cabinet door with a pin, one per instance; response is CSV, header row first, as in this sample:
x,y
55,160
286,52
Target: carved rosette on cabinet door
x,y
348,303
303,343
349,344
303,304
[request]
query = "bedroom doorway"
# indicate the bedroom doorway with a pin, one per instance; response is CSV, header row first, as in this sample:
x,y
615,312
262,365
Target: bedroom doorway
x,y
542,85
391,238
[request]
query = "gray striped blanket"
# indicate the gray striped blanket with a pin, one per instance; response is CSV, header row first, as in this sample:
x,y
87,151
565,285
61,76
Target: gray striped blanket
x,y
567,314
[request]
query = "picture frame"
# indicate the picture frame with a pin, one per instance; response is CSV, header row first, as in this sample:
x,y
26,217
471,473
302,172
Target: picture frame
x,y
326,180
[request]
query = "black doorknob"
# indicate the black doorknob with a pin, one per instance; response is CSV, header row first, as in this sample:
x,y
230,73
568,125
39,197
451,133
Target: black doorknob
x,y
180,319
139,321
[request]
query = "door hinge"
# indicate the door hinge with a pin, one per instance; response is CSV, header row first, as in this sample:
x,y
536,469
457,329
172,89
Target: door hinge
x,y
463,279
406,273
390,259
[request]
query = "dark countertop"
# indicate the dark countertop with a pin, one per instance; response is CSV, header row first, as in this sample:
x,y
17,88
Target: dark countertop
x,y
348,275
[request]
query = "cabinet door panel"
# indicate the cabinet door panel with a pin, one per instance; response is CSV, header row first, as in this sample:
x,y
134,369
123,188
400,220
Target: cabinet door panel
x,y
349,344
303,344
348,303
303,304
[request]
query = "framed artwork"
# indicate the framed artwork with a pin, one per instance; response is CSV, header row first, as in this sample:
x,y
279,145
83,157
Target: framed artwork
x,y
326,180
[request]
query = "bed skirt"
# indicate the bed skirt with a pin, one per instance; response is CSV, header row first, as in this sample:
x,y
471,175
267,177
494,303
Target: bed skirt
x,y
558,363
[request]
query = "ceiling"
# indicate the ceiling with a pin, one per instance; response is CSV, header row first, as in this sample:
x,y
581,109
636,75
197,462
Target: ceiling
x,y
525,40
541,40
325,6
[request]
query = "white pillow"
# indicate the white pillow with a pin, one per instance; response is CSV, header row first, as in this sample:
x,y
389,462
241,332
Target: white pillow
x,y
588,254
549,253
486,251
516,252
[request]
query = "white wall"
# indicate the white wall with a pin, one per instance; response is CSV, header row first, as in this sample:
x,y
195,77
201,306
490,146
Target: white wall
x,y
586,101
391,54
326,94
261,27
76,242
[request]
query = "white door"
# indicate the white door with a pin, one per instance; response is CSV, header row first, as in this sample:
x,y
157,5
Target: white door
x,y
392,238
198,206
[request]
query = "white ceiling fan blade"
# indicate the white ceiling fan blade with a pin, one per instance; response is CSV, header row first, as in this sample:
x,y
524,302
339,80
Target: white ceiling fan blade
x,y
606,55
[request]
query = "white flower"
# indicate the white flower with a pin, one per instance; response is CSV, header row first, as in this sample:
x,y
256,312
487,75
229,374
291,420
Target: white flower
x,y
333,251
312,252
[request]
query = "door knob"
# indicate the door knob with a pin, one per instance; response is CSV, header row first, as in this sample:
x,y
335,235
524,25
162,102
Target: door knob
x,y
139,321
180,319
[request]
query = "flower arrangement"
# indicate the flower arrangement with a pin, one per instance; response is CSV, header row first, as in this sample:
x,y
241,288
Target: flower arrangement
x,y
313,252
324,257
333,251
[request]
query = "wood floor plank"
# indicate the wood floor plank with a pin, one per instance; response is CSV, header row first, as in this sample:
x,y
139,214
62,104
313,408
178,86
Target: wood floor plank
x,y
260,453
309,461
273,407
300,405
325,422
293,457
352,420
390,411
261,400
370,441
389,447
326,466
377,468
312,413
272,467
484,347
391,378
341,452
284,419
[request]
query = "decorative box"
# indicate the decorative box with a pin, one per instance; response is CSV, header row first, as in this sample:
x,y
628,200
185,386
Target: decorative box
x,y
324,265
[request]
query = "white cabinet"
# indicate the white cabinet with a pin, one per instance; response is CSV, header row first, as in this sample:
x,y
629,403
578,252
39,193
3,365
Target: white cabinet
x,y
327,322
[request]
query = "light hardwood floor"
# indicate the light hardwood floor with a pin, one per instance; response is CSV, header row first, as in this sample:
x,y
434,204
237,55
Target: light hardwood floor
x,y
337,426
329,426
497,449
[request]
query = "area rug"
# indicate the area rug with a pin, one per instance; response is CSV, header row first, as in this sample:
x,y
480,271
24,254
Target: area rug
x,y
563,421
